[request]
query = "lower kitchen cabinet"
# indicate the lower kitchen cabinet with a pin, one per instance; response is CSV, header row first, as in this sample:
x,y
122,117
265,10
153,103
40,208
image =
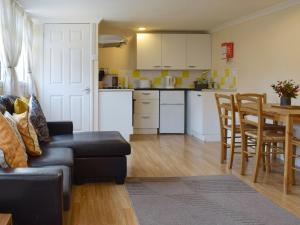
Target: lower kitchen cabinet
x,y
146,111
202,115
115,111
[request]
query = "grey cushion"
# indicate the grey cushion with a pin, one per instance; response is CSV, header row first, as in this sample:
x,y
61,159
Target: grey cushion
x,y
2,109
7,102
38,120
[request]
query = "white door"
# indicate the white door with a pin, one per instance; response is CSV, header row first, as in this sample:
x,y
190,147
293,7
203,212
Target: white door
x,y
67,74
198,51
173,51
149,51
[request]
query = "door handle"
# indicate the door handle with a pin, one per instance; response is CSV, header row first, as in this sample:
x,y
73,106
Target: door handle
x,y
87,90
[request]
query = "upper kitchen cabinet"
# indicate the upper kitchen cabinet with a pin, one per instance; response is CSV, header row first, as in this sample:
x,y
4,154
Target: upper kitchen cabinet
x,y
149,51
173,51
198,51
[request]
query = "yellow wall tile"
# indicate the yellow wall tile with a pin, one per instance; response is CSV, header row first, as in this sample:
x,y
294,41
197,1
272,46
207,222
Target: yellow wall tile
x,y
185,73
136,73
164,73
178,80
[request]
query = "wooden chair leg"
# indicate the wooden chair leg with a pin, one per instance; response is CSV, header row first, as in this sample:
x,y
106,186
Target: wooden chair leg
x,y
225,151
259,147
223,146
232,149
263,156
243,154
247,154
274,153
293,177
268,157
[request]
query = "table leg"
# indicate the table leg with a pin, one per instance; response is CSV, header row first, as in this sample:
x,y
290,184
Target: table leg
x,y
288,154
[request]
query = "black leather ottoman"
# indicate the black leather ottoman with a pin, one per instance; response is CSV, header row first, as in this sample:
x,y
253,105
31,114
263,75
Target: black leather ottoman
x,y
97,155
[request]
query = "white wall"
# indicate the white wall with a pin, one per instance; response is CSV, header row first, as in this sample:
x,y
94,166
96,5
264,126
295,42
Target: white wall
x,y
267,49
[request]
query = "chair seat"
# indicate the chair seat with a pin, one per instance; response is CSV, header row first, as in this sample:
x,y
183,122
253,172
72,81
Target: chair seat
x,y
251,127
238,128
268,135
296,141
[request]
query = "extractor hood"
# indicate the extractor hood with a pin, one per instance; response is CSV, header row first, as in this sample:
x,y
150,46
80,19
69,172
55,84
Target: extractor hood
x,y
111,40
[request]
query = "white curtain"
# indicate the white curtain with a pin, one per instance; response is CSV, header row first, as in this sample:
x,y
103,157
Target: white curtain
x,y
27,41
11,38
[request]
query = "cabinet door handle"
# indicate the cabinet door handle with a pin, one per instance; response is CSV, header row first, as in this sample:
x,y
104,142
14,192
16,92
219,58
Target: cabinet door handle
x,y
199,95
192,66
145,93
167,66
156,66
146,103
145,117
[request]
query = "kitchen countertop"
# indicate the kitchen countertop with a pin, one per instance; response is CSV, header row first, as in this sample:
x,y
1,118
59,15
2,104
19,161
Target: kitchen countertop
x,y
115,90
165,89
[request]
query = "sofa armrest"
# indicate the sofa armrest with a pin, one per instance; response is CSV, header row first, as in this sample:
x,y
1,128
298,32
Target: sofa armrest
x,y
59,128
34,196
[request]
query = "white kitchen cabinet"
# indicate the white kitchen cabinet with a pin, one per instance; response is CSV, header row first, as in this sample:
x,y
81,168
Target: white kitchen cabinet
x,y
173,51
198,51
115,111
149,47
146,112
202,115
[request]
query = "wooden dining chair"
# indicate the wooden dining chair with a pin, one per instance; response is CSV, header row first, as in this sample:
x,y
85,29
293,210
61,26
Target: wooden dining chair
x,y
227,119
250,108
229,125
295,156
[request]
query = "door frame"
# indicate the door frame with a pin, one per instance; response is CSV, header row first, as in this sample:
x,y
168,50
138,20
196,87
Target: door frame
x,y
93,28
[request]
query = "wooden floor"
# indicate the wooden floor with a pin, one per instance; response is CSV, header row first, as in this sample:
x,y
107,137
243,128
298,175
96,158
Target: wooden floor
x,y
166,156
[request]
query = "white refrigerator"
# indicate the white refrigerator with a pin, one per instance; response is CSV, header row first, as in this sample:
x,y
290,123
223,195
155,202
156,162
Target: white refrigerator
x,y
172,112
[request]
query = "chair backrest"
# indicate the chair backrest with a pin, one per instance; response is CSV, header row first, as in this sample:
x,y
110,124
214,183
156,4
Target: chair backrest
x,y
226,105
251,105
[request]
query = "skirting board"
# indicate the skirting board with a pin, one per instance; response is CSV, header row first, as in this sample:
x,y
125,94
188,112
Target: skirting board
x,y
207,137
144,131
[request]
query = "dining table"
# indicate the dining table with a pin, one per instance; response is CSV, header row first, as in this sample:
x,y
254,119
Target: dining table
x,y
288,116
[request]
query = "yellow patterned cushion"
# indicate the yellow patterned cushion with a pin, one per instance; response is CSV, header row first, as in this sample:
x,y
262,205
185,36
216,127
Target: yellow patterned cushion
x,y
14,152
21,105
28,134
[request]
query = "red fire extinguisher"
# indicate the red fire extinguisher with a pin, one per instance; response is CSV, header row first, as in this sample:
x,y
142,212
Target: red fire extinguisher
x,y
227,50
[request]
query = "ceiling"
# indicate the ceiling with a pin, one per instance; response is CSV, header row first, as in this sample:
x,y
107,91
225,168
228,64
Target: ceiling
x,y
153,14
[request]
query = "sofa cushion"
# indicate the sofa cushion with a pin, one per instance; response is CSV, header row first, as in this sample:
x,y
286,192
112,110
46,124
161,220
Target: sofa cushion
x,y
28,134
20,105
13,150
52,157
67,185
8,102
38,120
91,144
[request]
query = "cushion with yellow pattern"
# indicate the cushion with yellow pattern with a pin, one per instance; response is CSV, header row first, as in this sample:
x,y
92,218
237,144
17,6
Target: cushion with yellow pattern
x,y
14,153
21,105
28,134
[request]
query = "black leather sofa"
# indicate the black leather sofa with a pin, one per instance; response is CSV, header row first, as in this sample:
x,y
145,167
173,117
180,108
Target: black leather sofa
x,y
38,195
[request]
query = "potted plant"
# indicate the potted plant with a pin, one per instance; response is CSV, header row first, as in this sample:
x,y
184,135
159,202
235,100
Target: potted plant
x,y
286,90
